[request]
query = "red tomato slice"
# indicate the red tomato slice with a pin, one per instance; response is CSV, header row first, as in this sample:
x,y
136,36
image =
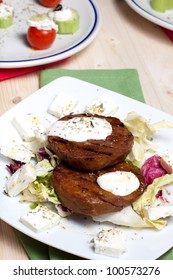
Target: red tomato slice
x,y
40,39
49,3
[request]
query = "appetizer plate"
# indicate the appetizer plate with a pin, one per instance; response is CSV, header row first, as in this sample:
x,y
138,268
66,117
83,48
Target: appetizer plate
x,y
144,9
16,53
142,243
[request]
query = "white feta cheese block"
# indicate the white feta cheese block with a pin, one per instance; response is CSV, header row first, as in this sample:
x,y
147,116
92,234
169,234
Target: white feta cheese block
x,y
17,152
28,126
110,242
40,219
62,105
153,212
21,179
102,106
41,136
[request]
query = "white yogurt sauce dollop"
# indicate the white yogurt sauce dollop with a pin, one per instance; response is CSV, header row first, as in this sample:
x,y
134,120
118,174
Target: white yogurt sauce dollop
x,y
43,22
81,129
119,182
62,15
5,11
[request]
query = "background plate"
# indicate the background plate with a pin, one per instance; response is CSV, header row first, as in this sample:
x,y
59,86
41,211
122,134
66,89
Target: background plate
x,y
144,9
142,243
14,50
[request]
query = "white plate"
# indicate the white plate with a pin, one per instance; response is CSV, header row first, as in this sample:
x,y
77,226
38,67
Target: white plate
x,y
142,243
144,9
14,50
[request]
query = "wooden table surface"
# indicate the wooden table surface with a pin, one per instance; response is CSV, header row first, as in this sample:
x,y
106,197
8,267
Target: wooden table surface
x,y
126,40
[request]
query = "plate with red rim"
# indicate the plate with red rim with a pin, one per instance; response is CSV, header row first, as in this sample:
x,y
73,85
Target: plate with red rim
x,y
16,53
144,9
142,244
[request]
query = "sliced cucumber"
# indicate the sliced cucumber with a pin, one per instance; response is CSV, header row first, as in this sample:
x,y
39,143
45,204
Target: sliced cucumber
x,y
6,22
69,26
162,5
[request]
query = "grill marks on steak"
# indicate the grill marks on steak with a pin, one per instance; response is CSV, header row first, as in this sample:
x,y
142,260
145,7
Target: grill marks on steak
x,y
80,192
94,155
75,178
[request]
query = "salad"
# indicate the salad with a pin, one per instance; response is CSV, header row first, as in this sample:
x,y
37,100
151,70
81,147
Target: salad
x,y
32,164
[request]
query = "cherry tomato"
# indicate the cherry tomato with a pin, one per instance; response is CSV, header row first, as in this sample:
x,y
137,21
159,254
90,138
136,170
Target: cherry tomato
x,y
49,3
40,39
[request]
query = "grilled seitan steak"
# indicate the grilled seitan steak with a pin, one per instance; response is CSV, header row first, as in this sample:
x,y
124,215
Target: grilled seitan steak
x,y
92,155
79,191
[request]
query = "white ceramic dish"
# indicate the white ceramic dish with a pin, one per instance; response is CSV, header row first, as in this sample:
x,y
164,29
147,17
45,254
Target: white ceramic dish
x,y
16,53
142,243
144,9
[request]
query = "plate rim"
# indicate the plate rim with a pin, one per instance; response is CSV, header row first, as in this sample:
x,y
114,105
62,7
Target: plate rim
x,y
153,17
63,54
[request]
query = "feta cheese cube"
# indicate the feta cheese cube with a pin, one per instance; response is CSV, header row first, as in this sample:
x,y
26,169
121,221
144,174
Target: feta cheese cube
x,y
40,219
110,242
155,212
102,106
62,105
40,136
17,152
28,126
21,179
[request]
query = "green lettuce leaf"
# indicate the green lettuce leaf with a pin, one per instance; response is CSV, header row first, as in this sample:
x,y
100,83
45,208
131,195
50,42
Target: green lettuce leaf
x,y
40,191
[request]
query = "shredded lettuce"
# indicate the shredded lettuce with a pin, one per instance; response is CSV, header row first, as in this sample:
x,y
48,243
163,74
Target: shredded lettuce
x,y
149,197
40,191
43,167
157,224
143,133
126,217
54,159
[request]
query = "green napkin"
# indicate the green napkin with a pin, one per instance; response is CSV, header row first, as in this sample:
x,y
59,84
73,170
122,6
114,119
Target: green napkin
x,y
126,82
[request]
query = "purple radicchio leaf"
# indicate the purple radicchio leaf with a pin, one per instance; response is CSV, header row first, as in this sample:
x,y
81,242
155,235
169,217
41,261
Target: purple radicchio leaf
x,y
13,167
